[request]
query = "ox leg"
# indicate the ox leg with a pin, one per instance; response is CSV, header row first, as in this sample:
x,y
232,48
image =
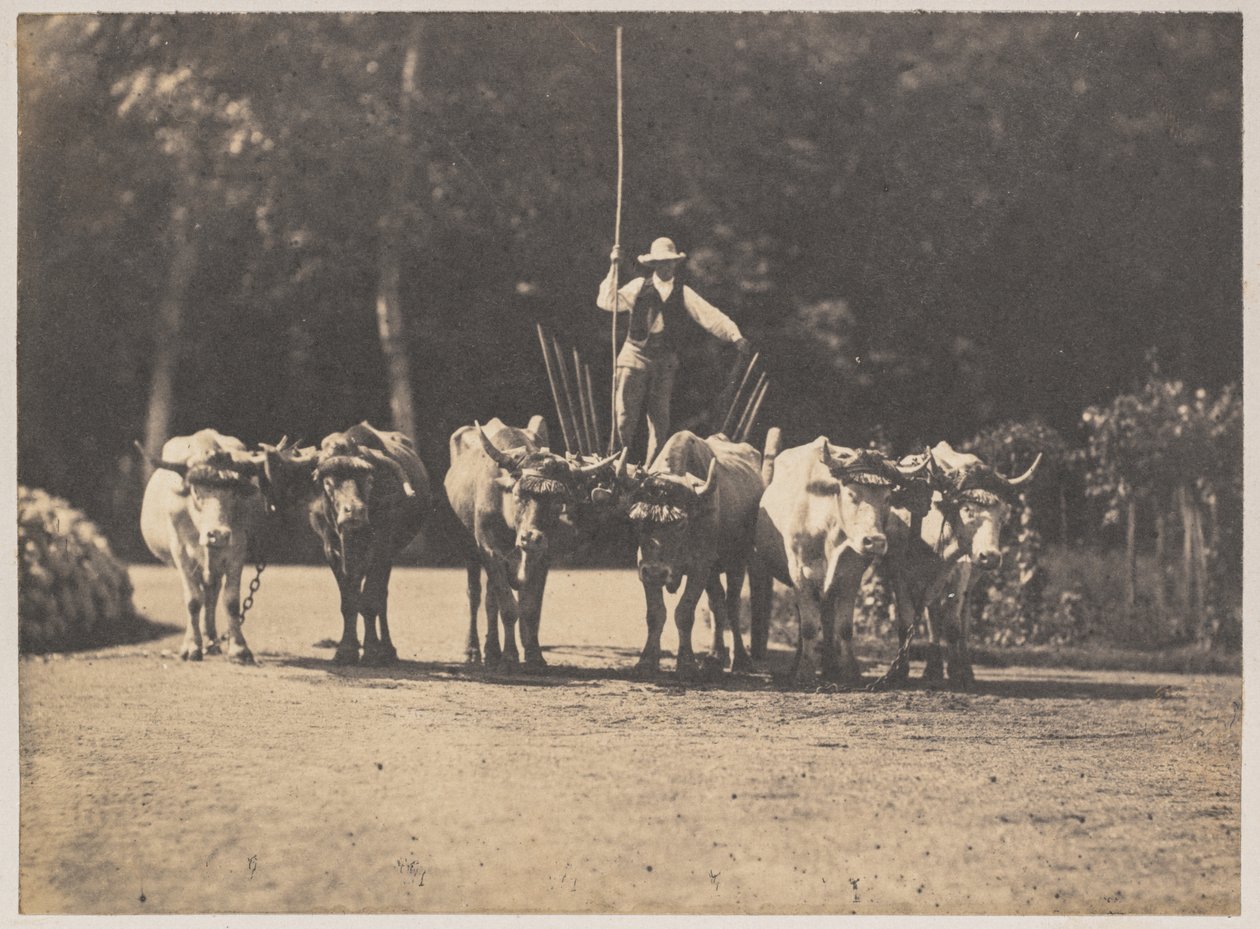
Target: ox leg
x,y
494,651
348,648
809,648
210,607
684,619
472,647
194,596
497,568
374,604
960,671
531,619
719,656
934,667
650,657
838,613
734,590
238,650
716,593
760,597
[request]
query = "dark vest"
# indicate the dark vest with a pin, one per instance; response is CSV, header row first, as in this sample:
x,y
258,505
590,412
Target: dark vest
x,y
678,327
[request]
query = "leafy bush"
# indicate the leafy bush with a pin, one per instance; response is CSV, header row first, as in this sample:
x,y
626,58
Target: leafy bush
x,y
72,591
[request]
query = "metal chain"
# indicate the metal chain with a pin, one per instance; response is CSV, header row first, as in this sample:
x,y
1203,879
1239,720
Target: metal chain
x,y
902,659
248,603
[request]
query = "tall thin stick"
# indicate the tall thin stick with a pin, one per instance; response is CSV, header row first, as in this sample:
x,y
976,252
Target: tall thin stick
x,y
753,411
555,393
587,432
568,397
612,403
752,400
731,419
590,399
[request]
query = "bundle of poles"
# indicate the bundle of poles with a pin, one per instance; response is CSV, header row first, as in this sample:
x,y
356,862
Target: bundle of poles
x,y
575,400
745,400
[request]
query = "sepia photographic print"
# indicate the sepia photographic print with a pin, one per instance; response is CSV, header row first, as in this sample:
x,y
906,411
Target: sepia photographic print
x,y
739,462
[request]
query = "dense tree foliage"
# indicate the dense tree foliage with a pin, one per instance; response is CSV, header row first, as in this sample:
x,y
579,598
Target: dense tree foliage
x,y
927,223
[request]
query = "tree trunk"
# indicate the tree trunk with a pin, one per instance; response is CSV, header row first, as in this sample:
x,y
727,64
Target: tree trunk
x,y
1063,517
1199,559
167,329
389,318
1161,536
1130,555
1191,595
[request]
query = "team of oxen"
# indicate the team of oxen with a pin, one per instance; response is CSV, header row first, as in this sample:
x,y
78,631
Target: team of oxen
x,y
708,513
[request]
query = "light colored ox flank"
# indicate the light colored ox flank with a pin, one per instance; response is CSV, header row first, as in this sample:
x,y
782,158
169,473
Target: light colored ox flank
x,y
935,561
820,524
508,490
694,510
200,508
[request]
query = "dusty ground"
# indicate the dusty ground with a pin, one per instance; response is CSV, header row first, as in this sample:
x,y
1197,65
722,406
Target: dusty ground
x,y
151,785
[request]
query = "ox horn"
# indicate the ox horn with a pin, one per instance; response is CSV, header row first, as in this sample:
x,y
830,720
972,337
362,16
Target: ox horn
x,y
179,467
1025,477
709,484
911,470
599,465
498,457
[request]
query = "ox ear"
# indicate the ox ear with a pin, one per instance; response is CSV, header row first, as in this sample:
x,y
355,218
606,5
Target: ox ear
x,y
506,481
179,467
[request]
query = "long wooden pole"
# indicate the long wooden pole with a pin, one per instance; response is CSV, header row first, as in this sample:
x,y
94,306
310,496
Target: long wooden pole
x,y
555,391
612,403
590,399
568,397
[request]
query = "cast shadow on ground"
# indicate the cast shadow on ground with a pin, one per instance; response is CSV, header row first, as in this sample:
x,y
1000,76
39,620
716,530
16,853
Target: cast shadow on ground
x,y
618,664
136,630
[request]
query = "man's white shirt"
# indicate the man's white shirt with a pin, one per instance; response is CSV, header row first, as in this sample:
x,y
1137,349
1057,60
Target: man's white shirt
x,y
706,315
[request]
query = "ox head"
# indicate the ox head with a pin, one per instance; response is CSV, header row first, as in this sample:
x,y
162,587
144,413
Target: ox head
x,y
862,482
286,473
346,472
538,485
664,509
600,481
217,485
976,502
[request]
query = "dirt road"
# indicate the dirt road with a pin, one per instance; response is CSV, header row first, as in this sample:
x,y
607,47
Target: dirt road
x,y
151,785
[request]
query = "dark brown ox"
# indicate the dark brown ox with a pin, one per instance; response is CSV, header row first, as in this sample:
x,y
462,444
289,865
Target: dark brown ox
x,y
694,510
820,523
937,554
201,508
367,496
508,489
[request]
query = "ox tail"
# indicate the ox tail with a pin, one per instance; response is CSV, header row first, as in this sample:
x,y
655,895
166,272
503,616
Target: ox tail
x,y
774,445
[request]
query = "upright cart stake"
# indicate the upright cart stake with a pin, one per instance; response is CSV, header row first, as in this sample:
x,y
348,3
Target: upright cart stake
x,y
555,392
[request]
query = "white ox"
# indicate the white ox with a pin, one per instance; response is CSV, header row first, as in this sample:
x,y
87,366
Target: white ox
x,y
820,524
200,508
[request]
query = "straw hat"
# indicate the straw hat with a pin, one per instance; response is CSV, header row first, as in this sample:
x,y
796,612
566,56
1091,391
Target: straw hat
x,y
662,250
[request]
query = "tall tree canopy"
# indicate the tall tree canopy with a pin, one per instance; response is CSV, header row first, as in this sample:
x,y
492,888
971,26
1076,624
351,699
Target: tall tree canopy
x,y
931,223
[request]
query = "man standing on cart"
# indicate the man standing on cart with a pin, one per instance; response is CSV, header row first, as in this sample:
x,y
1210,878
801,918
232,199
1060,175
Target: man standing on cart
x,y
665,314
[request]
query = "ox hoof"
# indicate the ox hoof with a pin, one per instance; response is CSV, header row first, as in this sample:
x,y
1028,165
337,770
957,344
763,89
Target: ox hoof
x,y
510,659
534,665
961,676
379,657
711,667
934,670
687,670
472,656
346,654
647,665
212,647
241,656
742,665
190,653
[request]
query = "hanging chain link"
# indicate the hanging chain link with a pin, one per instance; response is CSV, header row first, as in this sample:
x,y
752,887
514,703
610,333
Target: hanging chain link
x,y
248,603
